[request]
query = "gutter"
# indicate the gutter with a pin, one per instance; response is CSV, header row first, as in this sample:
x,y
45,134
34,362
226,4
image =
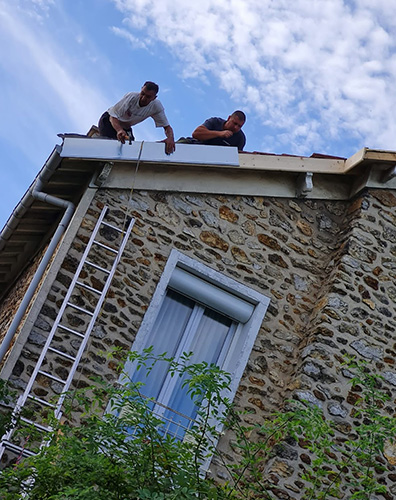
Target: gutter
x,y
35,193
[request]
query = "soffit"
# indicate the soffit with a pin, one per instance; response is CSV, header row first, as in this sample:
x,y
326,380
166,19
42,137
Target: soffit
x,y
31,226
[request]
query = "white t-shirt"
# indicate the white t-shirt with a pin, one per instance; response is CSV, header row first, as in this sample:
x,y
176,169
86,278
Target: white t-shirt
x,y
129,111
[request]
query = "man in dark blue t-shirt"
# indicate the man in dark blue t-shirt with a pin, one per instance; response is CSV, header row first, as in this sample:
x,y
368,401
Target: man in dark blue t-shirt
x,y
219,132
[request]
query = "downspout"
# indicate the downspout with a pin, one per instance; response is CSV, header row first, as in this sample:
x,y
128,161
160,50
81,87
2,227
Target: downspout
x,y
35,193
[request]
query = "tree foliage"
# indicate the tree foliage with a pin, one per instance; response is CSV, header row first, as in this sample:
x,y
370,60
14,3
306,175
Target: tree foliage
x,y
6,398
124,454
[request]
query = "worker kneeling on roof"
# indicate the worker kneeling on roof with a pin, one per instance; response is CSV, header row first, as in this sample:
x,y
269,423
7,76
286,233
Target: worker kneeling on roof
x,y
134,108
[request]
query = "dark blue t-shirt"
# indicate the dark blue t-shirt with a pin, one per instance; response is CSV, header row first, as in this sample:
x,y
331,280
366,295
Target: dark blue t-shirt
x,y
214,123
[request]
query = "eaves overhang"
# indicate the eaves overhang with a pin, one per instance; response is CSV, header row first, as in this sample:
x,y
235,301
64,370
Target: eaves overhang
x,y
80,163
32,223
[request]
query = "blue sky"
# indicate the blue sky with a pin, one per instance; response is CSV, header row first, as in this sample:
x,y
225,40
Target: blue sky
x,y
312,76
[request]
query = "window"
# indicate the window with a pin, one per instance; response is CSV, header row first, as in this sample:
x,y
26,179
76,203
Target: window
x,y
198,310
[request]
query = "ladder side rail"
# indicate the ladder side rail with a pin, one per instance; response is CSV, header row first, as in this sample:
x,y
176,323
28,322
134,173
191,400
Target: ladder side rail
x,y
93,319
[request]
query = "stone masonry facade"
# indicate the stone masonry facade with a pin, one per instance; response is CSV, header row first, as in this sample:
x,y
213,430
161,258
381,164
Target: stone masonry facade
x,y
329,268
15,295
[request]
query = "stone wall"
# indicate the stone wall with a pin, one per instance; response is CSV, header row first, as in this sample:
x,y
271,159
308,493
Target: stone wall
x,y
328,268
11,302
354,316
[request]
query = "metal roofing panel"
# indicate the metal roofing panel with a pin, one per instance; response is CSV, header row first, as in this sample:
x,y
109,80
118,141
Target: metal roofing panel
x,y
154,152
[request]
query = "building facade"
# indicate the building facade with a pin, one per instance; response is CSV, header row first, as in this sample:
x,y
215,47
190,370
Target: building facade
x,y
274,267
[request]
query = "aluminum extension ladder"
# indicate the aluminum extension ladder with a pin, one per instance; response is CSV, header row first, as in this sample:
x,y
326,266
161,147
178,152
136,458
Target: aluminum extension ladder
x,y
77,285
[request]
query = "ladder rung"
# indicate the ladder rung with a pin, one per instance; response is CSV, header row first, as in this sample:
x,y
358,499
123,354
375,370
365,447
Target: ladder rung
x,y
90,288
102,245
85,311
97,267
113,227
70,330
35,424
14,447
61,353
52,377
39,400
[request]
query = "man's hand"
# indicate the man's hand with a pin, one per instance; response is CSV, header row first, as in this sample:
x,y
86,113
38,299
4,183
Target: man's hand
x,y
201,133
226,134
170,146
117,126
122,136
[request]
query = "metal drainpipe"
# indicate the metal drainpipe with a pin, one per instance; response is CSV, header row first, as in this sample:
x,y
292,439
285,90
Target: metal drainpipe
x,y
36,193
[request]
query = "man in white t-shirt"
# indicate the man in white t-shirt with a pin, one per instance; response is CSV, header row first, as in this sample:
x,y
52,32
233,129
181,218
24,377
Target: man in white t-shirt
x,y
133,108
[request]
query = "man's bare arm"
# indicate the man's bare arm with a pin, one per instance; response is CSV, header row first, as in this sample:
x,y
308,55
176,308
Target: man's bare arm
x,y
202,133
116,124
170,140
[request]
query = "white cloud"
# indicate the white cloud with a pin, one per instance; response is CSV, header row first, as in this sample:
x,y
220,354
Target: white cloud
x,y
40,66
127,35
303,66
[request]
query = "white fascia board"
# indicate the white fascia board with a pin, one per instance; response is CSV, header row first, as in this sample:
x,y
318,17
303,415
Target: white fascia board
x,y
153,152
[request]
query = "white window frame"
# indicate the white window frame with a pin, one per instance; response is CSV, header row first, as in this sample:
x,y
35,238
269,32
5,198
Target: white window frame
x,y
244,338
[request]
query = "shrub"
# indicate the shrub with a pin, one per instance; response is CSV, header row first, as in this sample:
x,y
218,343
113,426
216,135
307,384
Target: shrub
x,y
99,459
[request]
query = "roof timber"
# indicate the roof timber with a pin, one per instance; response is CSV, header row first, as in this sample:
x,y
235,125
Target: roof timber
x,y
285,163
366,155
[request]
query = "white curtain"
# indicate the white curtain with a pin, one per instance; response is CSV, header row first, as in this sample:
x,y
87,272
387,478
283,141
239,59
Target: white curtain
x,y
182,326
165,337
207,344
